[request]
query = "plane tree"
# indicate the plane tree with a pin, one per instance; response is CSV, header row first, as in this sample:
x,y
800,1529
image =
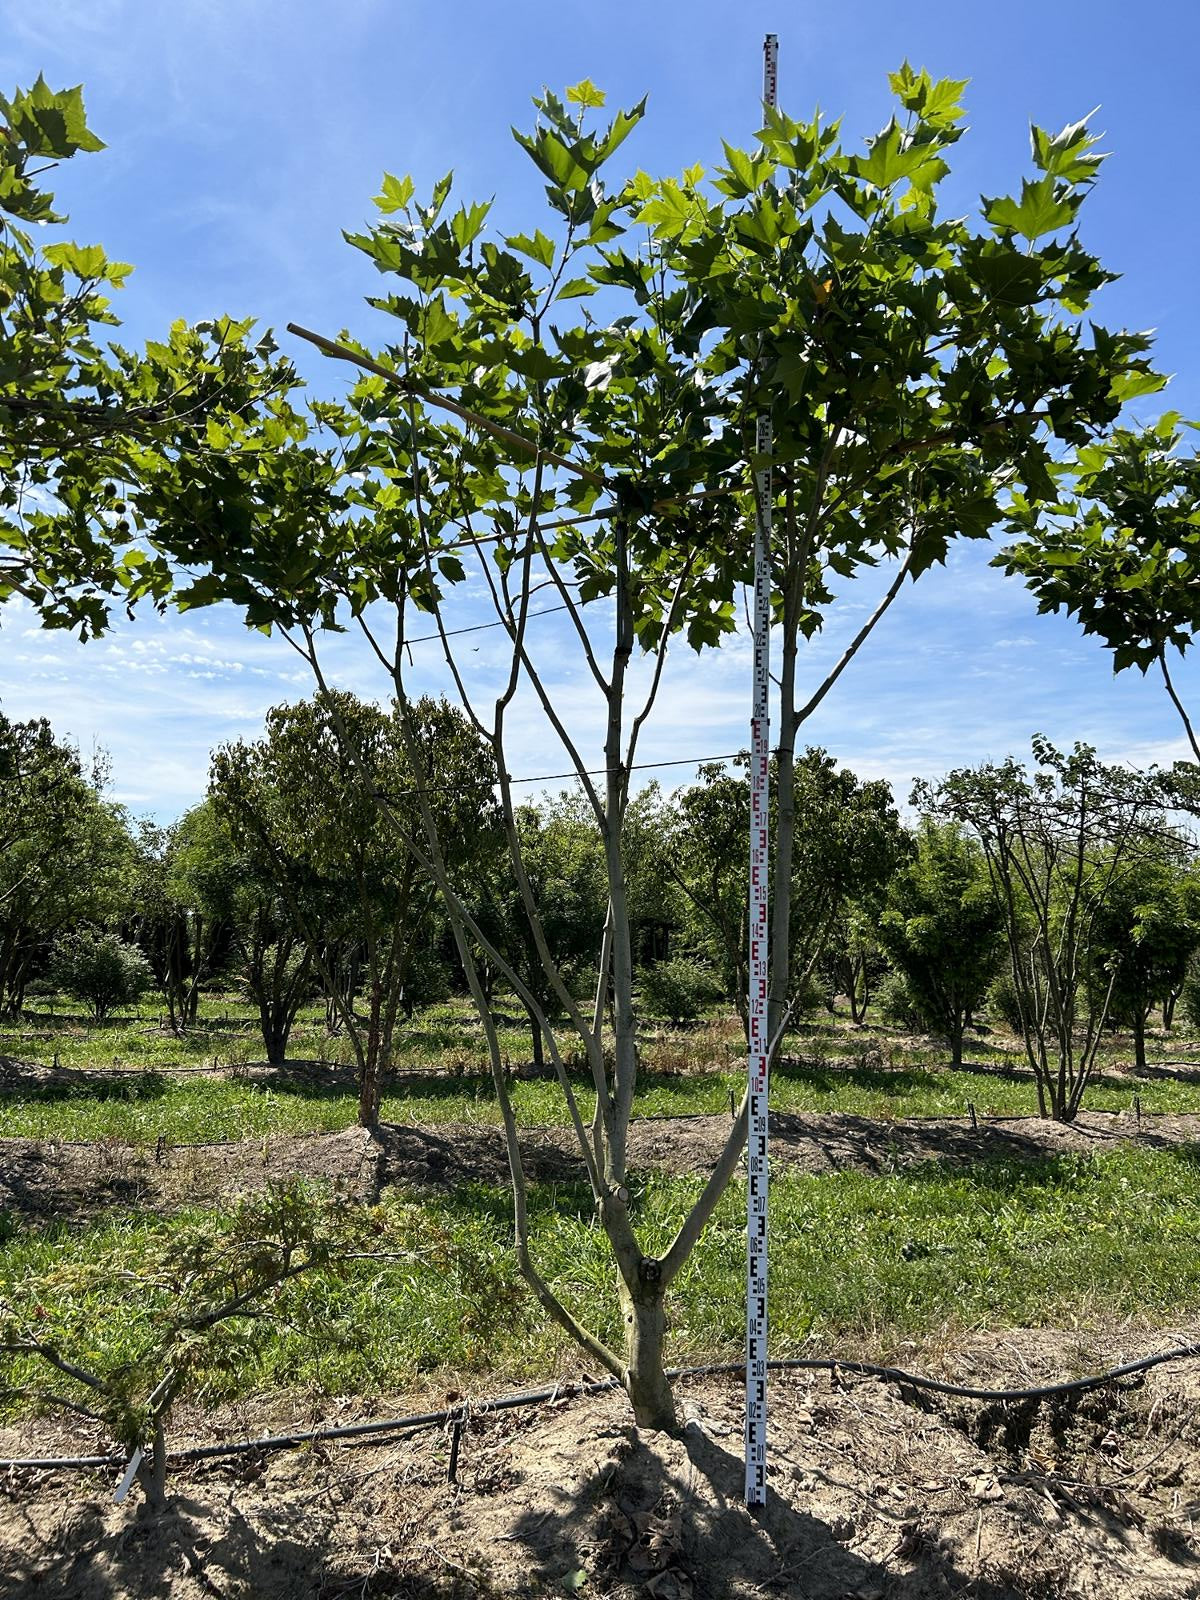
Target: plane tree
x,y
1118,547
920,368
89,429
571,414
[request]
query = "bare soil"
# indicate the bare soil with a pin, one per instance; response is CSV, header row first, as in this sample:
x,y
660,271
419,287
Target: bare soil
x,y
51,1179
873,1495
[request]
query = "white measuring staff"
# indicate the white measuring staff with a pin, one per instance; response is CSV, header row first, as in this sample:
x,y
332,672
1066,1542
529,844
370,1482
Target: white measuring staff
x,y
760,1043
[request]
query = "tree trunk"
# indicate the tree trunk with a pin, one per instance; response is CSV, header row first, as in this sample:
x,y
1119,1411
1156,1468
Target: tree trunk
x,y
275,1038
1056,1102
1139,1042
957,1029
151,1474
857,971
646,1382
537,1043
780,908
370,1087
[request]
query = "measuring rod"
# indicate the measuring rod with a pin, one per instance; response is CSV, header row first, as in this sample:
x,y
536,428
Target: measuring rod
x,y
760,1044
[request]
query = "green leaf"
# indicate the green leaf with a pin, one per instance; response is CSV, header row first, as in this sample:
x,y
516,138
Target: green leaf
x,y
669,212
438,325
622,126
891,158
50,122
468,220
586,94
539,248
1060,558
576,289
1004,273
1131,385
1067,155
745,172
554,159
943,103
85,261
397,192
441,192
1043,208
939,104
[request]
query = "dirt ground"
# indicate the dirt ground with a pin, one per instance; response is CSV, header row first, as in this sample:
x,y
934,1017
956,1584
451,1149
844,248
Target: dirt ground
x,y
51,1179
874,1495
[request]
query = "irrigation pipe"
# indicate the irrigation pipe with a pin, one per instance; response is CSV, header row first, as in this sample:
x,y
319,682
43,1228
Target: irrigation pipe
x,y
586,1387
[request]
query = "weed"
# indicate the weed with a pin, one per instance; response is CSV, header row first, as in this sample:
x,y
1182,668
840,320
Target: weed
x,y
1066,1240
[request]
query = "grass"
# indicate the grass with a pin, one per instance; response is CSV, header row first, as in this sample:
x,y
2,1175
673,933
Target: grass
x,y
827,1067
198,1109
1062,1241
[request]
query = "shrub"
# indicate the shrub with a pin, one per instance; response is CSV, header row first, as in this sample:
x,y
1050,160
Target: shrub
x,y
100,970
813,995
678,989
897,1005
1002,1002
1191,992
427,980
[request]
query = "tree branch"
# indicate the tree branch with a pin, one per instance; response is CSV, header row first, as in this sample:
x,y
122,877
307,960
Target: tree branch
x,y
1178,704
342,352
856,643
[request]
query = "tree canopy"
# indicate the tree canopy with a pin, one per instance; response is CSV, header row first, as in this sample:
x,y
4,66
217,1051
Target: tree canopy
x,y
573,409
104,451
1119,547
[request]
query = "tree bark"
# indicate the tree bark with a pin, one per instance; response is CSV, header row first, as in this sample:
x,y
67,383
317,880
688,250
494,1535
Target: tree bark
x,y
646,1383
956,1041
370,1086
275,1037
1139,1042
858,1000
151,1474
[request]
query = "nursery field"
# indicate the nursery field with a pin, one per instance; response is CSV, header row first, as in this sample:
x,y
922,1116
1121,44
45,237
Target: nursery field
x,y
129,1079
920,1216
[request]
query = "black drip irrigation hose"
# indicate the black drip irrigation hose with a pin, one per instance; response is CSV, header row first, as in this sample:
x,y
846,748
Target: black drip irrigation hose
x,y
587,1387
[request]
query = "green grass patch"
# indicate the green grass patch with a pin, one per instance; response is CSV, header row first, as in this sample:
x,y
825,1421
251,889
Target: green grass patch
x,y
442,1077
185,1110
1061,1241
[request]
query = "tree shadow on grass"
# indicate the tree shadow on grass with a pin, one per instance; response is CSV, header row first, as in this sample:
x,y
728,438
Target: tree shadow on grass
x,y
80,1083
1155,1074
865,1144
1011,1173
325,1081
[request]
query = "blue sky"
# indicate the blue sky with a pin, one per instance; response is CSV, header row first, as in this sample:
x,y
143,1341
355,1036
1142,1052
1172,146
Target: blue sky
x,y
244,135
